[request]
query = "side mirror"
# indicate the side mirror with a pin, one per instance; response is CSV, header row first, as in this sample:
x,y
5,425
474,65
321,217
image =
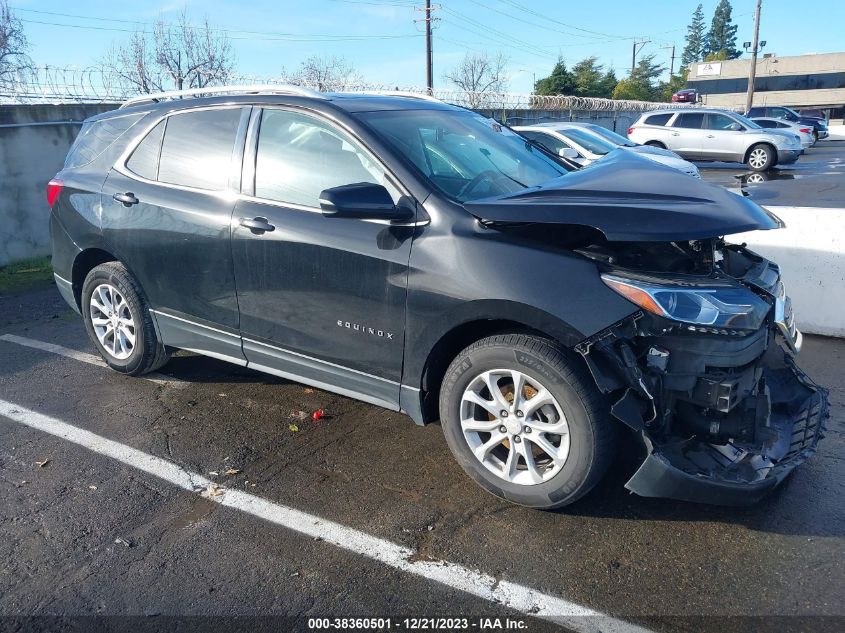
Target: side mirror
x,y
567,152
362,200
736,127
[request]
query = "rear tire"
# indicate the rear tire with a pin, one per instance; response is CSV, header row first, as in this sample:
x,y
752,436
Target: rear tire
x,y
543,453
656,144
118,321
760,157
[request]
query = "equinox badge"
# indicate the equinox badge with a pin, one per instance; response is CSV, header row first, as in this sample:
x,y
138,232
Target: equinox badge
x,y
363,329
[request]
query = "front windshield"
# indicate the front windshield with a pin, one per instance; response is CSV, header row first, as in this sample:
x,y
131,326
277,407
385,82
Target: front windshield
x,y
464,154
590,142
746,122
613,137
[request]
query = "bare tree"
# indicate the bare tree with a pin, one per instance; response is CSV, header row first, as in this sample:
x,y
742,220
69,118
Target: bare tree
x,y
326,73
178,54
13,47
480,76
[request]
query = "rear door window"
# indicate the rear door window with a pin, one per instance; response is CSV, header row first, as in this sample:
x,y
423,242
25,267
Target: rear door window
x,y
689,120
197,148
144,160
767,124
658,119
719,122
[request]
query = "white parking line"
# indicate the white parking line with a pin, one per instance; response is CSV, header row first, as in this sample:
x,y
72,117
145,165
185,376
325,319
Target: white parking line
x,y
508,594
91,359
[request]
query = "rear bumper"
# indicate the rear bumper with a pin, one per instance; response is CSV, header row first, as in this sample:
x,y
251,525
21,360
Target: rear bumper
x,y
786,156
702,473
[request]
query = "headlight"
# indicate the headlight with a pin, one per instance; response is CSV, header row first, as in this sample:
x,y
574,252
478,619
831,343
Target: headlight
x,y
717,306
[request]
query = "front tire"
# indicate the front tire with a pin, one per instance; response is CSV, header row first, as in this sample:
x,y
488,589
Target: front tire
x,y
760,158
118,321
525,421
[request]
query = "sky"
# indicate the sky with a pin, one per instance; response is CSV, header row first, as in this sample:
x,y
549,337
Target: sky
x,y
385,40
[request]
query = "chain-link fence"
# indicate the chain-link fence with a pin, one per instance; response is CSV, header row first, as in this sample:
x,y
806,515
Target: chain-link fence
x,y
50,84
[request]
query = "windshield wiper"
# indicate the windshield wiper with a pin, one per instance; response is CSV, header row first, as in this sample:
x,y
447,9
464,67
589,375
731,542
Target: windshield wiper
x,y
486,153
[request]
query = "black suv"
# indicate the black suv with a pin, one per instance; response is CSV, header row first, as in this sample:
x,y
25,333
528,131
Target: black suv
x,y
424,258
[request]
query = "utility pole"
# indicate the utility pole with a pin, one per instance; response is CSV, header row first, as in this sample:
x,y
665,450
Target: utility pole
x,y
429,65
635,51
752,72
672,60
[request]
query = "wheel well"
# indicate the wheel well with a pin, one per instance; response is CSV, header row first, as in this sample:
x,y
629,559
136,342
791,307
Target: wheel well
x,y
449,346
655,144
83,264
769,145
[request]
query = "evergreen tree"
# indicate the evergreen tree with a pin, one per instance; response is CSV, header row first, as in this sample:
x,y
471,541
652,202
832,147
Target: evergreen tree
x,y
587,75
560,82
608,84
721,38
694,48
640,85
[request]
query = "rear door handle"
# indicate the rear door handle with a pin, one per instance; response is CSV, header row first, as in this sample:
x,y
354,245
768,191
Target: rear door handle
x,y
126,199
676,133
711,136
257,225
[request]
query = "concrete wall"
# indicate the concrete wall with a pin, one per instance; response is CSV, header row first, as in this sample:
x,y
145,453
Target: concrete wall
x,y
617,121
811,254
34,140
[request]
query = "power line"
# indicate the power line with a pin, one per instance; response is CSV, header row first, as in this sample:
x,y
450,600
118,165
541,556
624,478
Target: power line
x,y
276,35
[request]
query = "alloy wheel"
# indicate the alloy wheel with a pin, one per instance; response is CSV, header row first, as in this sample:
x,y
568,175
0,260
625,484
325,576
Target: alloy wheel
x,y
112,321
514,426
758,158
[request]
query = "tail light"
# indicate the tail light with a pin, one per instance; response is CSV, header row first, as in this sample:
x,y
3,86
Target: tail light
x,y
54,188
805,130
630,129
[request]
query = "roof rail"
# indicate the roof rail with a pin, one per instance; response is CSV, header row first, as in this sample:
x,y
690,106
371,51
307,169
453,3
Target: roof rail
x,y
217,90
396,93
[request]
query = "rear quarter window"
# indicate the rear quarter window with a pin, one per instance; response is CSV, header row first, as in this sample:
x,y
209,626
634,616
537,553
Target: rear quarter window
x,y
657,119
95,137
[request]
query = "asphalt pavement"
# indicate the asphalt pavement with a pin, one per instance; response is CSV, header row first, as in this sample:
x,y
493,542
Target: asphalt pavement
x,y
85,534
816,179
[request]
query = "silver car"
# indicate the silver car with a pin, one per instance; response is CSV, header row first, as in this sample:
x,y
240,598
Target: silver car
x,y
803,130
716,135
585,143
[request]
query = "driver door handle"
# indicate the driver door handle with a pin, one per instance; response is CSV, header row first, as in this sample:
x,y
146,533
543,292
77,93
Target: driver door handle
x,y
676,133
126,199
711,136
258,225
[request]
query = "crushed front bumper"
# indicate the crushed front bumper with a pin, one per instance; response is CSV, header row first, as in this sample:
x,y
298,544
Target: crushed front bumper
x,y
728,474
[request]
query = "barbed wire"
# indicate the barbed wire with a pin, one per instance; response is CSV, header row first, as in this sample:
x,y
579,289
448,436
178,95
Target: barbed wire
x,y
53,84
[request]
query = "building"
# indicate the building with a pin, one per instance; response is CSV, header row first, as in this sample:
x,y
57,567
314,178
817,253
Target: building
x,y
798,81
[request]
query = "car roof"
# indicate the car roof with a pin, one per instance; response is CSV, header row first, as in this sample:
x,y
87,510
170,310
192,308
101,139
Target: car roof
x,y
701,110
347,102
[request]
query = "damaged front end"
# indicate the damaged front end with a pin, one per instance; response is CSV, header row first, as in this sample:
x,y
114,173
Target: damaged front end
x,y
705,371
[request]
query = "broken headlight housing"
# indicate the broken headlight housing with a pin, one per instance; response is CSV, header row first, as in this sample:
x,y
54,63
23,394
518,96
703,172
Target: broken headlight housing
x,y
712,306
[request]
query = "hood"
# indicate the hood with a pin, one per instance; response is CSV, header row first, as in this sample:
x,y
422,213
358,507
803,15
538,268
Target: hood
x,y
629,198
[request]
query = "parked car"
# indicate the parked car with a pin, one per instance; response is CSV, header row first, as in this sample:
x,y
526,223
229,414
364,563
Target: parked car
x,y
426,259
802,130
716,135
589,145
687,95
812,113
820,130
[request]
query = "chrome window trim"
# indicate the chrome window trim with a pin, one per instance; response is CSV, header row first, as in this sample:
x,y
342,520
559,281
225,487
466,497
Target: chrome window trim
x,y
120,164
334,122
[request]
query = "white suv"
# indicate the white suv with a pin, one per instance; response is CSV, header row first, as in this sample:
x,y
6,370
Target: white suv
x,y
716,135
